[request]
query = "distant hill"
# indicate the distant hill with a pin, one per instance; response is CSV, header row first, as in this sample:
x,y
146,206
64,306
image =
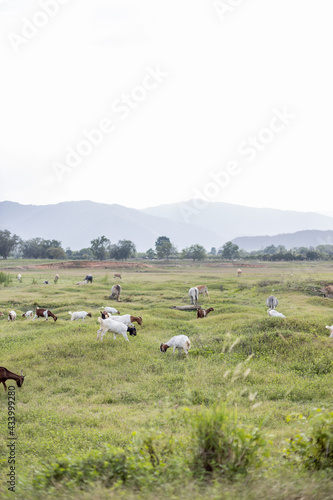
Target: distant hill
x,y
298,239
76,223
231,221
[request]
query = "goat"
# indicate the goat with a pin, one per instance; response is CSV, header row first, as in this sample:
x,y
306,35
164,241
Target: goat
x,y
328,291
79,315
1,314
11,316
178,342
194,294
202,289
275,314
127,319
117,275
19,277
111,310
7,375
89,278
115,292
272,302
85,282
202,313
45,282
115,327
56,278
330,328
239,272
27,315
40,313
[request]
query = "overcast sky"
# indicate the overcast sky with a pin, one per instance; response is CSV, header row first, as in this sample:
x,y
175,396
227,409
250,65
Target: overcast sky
x,y
149,102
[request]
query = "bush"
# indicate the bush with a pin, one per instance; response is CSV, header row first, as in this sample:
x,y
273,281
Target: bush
x,y
314,448
5,279
107,466
222,445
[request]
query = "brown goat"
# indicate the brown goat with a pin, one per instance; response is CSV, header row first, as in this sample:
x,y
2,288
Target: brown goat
x,y
44,313
203,289
117,275
6,374
202,313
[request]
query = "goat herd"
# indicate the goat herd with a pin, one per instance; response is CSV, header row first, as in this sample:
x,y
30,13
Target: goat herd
x,y
112,321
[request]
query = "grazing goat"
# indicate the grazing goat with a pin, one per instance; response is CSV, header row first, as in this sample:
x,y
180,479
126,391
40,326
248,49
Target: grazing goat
x,y
202,313
56,278
202,289
239,272
115,327
272,302
12,316
275,314
194,294
28,314
85,282
127,319
40,313
45,282
19,277
79,315
178,342
111,310
7,375
89,278
115,292
330,328
1,314
328,291
117,275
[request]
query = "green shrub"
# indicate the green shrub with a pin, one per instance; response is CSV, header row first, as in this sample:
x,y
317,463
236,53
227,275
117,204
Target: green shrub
x,y
314,448
5,279
222,445
107,466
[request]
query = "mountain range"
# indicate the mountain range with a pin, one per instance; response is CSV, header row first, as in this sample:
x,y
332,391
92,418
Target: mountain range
x,y
76,223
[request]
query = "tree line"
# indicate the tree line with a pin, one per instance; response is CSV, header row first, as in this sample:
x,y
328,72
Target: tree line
x,y
101,248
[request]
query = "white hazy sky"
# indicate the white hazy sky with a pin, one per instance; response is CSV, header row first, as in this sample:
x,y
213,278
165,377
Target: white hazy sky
x,y
226,72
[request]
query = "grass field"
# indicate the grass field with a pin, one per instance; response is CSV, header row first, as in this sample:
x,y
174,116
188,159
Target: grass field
x,y
80,394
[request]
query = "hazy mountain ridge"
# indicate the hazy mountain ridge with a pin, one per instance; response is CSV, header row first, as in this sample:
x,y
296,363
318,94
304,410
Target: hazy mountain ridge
x,y
76,223
299,239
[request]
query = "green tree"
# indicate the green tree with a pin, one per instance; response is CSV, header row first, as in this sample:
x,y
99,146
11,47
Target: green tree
x,y
123,250
230,251
164,248
8,243
194,252
99,247
56,253
151,254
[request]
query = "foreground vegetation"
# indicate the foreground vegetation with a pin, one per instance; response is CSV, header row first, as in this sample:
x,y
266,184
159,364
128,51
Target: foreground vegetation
x,y
116,419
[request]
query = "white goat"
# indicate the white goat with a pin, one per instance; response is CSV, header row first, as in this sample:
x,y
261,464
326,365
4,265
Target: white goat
x,y
330,328
84,282
12,316
110,310
115,327
79,315
127,319
28,314
178,342
19,277
274,313
194,294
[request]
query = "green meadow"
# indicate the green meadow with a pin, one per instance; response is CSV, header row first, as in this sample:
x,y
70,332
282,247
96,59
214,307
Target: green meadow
x,y
82,398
